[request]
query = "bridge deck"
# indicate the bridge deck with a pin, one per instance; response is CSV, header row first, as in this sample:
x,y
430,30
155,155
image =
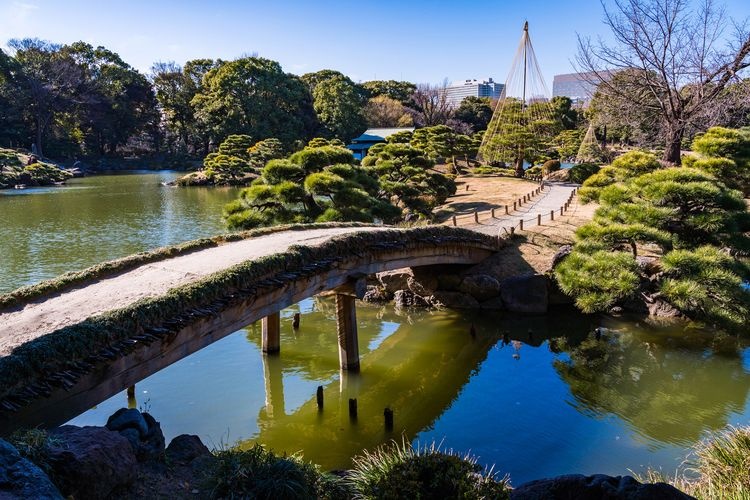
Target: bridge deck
x,y
48,314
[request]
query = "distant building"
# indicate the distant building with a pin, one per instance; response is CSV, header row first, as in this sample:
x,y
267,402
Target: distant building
x,y
372,136
577,86
456,92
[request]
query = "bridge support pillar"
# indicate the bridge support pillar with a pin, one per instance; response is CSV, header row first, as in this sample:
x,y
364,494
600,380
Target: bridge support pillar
x,y
274,386
346,316
270,331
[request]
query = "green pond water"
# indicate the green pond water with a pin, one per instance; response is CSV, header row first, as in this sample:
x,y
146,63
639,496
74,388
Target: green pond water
x,y
536,396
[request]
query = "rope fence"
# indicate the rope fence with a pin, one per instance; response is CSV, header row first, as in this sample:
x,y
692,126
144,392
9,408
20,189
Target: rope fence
x,y
519,225
507,209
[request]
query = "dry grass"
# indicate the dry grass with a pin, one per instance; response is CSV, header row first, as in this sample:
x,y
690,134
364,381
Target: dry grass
x,y
482,194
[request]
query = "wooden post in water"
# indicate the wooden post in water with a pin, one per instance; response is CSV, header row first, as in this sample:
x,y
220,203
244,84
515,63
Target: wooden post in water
x,y
319,397
270,332
131,391
295,321
388,417
353,408
346,325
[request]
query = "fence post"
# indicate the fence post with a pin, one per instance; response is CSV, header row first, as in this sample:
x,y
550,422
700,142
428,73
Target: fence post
x,y
514,206
506,209
561,210
551,215
454,220
493,213
539,219
476,216
520,225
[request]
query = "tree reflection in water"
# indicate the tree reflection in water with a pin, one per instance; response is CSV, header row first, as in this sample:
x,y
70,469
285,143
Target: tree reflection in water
x,y
669,385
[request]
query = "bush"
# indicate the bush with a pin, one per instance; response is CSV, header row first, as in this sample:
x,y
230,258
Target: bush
x,y
717,467
401,471
535,170
598,280
707,283
582,171
313,159
258,473
637,163
550,166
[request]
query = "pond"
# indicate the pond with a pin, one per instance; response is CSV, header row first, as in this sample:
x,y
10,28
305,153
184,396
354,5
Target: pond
x,y
536,396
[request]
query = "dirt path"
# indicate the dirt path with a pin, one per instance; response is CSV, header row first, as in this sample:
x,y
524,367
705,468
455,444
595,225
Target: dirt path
x,y
149,280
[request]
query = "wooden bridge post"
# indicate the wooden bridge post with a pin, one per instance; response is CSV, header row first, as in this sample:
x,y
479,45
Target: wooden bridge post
x,y
346,325
270,332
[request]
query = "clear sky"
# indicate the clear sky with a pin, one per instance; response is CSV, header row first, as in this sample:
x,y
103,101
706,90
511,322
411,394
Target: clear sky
x,y
419,41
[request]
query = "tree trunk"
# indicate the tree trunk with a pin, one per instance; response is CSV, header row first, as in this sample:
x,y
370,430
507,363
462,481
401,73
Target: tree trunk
x,y
672,146
519,167
39,138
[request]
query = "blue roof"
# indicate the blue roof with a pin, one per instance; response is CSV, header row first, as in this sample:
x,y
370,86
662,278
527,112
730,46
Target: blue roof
x,y
380,134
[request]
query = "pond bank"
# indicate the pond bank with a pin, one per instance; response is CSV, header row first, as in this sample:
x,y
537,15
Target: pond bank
x,y
128,458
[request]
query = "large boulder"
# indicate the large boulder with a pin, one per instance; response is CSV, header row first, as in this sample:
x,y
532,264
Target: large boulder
x,y
423,282
406,298
480,286
185,448
141,430
91,462
395,280
560,255
453,300
596,487
377,293
20,478
525,294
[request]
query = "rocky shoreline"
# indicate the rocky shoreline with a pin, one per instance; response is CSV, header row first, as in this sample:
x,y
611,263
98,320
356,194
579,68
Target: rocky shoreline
x,y
128,459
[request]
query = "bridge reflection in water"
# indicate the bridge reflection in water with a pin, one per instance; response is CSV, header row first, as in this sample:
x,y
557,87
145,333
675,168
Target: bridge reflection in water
x,y
414,367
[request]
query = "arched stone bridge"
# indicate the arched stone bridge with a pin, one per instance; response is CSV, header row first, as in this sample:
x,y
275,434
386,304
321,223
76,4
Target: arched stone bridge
x,y
63,353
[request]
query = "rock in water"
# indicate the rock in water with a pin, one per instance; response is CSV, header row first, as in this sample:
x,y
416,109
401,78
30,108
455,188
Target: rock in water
x,y
91,462
596,487
20,478
453,300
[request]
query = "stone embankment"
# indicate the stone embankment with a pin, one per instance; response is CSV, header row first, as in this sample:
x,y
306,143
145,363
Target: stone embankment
x,y
128,459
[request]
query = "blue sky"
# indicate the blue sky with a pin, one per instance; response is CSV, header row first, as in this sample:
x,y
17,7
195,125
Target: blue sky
x,y
419,41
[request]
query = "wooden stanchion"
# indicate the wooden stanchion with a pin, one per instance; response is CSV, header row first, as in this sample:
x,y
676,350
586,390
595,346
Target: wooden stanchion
x,y
520,225
454,221
551,215
476,216
539,219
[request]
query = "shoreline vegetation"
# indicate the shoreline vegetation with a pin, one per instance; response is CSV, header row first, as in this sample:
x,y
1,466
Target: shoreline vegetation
x,y
132,460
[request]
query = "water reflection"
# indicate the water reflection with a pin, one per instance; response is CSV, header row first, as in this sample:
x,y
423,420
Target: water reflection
x,y
669,385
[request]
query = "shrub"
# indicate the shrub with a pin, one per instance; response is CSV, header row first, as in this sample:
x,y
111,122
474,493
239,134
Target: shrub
x,y
313,159
598,280
707,283
723,142
536,170
550,166
582,171
636,163
717,467
401,471
258,473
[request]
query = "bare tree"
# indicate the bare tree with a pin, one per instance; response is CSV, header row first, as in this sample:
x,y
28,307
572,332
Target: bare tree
x,y
430,104
683,55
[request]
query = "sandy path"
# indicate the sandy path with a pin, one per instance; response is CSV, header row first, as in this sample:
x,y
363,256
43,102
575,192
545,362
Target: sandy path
x,y
550,199
149,280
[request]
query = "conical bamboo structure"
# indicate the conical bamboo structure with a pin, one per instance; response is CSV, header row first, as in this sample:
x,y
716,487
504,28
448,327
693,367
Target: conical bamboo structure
x,y
523,120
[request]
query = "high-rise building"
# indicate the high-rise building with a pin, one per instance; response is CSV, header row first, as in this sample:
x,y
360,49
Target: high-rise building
x,y
580,87
456,92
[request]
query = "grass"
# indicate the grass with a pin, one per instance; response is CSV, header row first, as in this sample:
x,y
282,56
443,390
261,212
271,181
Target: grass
x,y
717,467
398,470
59,358
259,473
